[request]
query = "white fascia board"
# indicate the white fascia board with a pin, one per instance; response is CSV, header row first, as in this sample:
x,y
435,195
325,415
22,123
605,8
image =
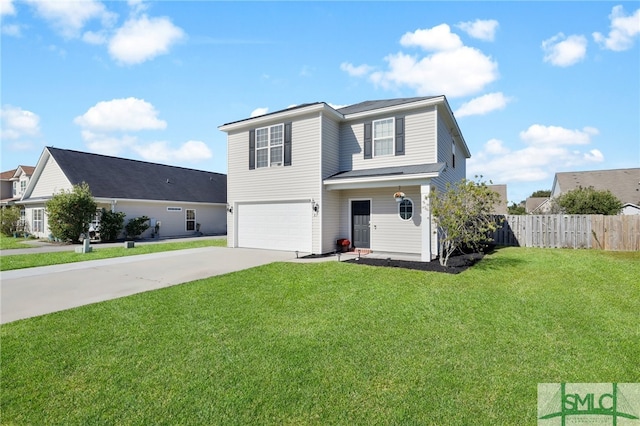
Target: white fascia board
x,y
380,182
107,200
396,108
44,156
282,116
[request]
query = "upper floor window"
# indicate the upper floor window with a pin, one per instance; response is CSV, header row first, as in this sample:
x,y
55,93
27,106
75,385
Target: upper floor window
x,y
383,137
269,143
23,186
15,188
453,155
270,146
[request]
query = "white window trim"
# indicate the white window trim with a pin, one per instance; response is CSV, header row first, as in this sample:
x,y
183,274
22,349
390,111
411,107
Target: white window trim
x,y
393,137
35,228
413,208
270,146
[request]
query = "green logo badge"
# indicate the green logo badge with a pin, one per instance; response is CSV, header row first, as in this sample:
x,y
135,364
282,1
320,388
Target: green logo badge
x,y
588,404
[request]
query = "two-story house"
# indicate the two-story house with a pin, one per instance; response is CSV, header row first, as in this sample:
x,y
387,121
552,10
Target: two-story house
x,y
14,184
301,178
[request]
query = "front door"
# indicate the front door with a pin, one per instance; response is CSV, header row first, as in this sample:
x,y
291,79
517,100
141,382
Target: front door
x,y
360,218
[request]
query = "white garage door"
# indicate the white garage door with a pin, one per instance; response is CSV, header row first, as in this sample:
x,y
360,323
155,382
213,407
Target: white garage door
x,y
278,226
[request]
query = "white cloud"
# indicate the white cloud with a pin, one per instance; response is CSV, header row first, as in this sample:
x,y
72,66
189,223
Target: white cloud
x,y
94,37
13,30
546,150
69,17
564,51
624,29
259,111
144,38
538,134
101,143
481,29
18,123
451,68
454,73
191,151
7,7
437,38
355,71
121,115
483,104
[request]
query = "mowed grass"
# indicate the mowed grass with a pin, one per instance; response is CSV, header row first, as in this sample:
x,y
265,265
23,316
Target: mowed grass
x,y
21,261
333,344
10,242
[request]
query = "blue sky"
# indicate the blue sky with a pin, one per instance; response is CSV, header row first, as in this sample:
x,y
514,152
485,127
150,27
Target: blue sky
x,y
536,87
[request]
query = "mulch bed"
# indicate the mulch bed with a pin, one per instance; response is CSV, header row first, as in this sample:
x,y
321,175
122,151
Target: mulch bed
x,y
455,265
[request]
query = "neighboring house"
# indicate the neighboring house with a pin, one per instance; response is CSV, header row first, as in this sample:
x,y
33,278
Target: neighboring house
x,y
500,206
14,184
301,178
623,183
178,200
537,205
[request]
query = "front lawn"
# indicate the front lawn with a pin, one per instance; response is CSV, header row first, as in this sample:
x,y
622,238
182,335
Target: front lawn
x,y
333,343
31,260
10,242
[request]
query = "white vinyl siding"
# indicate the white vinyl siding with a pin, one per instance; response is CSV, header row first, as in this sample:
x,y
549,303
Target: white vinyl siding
x,y
419,140
389,233
301,180
330,202
51,181
445,154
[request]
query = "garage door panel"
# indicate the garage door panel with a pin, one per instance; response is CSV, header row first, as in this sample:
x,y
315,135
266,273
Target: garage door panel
x,y
275,226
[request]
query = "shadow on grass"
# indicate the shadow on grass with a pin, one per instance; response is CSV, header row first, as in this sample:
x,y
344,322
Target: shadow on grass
x,y
492,263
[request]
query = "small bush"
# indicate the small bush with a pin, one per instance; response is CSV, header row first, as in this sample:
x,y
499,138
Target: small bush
x,y
111,224
136,226
9,217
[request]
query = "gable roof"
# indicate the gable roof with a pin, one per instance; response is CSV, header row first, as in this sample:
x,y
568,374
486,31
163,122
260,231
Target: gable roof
x,y
7,175
623,183
121,178
358,110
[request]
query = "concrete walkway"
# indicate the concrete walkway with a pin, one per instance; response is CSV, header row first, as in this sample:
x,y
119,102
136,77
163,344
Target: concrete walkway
x,y
31,292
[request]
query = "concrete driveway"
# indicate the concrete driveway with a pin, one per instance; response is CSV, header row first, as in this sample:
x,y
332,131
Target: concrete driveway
x,y
31,292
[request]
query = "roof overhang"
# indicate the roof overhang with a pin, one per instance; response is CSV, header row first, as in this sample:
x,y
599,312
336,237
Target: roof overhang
x,y
419,174
286,114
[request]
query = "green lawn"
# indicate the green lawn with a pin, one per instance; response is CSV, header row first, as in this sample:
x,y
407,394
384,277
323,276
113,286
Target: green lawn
x,y
20,261
333,343
9,242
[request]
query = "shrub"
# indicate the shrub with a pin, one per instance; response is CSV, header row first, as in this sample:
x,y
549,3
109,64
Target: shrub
x,y
136,226
111,224
70,212
589,201
9,217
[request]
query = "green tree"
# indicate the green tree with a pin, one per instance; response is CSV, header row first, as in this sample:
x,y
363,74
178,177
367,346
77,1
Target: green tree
x,y
111,224
589,201
516,209
542,193
463,214
70,212
136,226
9,217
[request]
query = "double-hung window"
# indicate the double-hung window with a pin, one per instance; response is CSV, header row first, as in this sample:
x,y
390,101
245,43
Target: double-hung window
x,y
269,144
190,220
383,137
38,220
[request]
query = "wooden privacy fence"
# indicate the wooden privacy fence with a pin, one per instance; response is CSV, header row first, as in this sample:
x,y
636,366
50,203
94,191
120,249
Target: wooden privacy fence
x,y
570,231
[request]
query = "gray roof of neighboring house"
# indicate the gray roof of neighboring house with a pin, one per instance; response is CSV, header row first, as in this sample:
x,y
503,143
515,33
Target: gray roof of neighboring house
x,y
623,183
114,177
384,103
533,203
390,171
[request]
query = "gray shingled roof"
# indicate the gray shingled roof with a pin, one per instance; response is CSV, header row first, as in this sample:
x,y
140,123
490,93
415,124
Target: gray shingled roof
x,y
114,177
383,103
623,183
390,171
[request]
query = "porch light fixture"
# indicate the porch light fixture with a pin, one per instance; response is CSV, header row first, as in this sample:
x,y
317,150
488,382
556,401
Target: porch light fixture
x,y
229,209
399,196
315,206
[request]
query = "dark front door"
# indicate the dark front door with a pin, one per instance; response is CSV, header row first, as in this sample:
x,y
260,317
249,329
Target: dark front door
x,y
360,218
